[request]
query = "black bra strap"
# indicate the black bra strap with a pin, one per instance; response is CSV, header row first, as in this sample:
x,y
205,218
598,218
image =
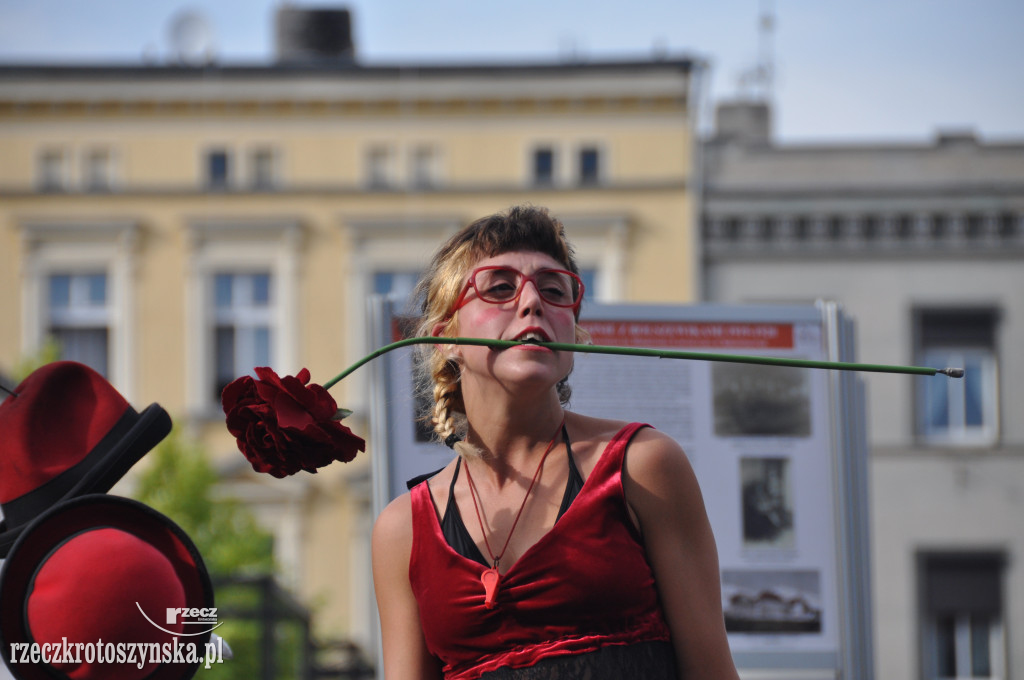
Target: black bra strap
x,y
575,482
454,529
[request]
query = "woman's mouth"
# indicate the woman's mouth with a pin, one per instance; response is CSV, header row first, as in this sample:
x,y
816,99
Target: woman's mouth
x,y
533,335
532,339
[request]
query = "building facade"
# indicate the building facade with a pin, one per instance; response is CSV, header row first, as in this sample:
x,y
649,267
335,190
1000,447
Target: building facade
x,y
923,245
174,226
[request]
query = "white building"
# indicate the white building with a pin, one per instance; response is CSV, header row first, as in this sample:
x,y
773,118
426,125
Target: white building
x,y
923,245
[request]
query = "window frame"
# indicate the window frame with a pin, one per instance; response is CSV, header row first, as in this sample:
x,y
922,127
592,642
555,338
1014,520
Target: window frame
x,y
380,166
51,247
958,434
964,649
241,318
532,179
110,178
61,180
80,315
238,246
255,181
424,174
602,161
931,562
205,160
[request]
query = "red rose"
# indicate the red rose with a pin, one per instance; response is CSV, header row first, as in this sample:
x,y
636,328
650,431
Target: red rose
x,y
284,425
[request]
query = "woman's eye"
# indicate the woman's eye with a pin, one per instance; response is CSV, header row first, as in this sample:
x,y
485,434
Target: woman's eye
x,y
501,289
555,293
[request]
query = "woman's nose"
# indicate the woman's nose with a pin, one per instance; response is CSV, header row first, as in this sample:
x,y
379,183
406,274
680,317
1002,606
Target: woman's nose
x,y
530,298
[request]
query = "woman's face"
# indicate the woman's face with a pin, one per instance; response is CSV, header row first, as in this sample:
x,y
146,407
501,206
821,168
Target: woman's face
x,y
529,314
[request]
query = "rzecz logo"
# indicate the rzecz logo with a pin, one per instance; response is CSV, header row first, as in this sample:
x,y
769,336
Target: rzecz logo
x,y
205,617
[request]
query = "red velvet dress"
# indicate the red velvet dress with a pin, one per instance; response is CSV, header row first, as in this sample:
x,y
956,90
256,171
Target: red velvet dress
x,y
581,600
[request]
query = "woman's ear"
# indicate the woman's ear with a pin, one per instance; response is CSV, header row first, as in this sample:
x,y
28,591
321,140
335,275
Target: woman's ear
x,y
451,352
583,336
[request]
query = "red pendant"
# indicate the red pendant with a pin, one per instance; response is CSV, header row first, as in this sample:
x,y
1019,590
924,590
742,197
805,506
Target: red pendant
x,y
490,578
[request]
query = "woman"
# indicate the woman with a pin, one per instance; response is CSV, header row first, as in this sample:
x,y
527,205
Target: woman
x,y
554,545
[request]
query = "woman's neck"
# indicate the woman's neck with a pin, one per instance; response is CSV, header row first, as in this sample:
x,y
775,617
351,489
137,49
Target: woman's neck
x,y
511,433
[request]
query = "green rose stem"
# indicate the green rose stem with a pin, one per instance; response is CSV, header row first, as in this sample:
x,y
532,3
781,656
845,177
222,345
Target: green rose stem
x,y
645,352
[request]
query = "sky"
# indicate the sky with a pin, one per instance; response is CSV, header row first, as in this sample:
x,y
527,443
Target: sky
x,y
859,71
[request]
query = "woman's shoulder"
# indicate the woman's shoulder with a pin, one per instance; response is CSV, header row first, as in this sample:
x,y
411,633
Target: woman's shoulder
x,y
397,515
650,454
591,437
395,520
656,462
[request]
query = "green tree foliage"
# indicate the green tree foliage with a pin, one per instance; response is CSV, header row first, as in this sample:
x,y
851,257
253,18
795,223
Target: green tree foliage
x,y
179,482
47,353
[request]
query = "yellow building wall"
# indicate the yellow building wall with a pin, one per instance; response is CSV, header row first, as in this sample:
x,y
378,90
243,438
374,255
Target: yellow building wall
x,y
484,168
165,152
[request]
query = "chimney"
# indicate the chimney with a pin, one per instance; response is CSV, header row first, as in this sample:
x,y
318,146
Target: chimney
x,y
743,122
305,34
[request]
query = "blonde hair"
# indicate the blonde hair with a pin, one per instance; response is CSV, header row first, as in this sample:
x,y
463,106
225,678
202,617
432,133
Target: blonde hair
x,y
521,228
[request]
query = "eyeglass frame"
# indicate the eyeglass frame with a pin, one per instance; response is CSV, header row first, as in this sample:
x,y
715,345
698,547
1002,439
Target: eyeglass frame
x,y
462,301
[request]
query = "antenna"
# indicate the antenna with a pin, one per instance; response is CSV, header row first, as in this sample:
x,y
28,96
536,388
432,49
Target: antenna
x,y
191,38
757,81
766,52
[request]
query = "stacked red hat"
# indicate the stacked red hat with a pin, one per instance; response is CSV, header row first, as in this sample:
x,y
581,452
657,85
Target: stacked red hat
x,y
92,580
66,432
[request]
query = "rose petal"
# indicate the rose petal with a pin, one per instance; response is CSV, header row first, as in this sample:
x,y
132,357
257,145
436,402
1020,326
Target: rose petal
x,y
290,413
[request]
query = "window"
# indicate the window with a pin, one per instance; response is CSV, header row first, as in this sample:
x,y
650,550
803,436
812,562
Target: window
x,y
544,166
399,284
590,288
965,411
379,167
590,165
79,318
423,167
218,169
263,169
52,170
98,170
243,316
962,631
79,290
241,303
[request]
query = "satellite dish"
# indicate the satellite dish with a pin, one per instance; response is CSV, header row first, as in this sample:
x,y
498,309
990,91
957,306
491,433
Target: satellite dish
x,y
191,38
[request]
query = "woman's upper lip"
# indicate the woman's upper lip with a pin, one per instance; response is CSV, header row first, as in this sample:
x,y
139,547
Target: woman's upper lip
x,y
540,332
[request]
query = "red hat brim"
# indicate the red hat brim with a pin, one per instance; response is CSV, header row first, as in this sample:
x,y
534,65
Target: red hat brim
x,y
85,513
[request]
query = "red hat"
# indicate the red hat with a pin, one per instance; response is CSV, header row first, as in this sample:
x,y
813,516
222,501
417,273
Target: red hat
x,y
66,432
102,571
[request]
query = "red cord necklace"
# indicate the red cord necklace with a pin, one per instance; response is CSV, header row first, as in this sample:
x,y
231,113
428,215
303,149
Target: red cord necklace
x,y
491,578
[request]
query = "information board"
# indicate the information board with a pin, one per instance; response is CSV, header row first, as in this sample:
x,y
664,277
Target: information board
x,y
780,455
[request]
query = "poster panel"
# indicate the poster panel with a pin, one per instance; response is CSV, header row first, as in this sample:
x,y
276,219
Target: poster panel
x,y
760,442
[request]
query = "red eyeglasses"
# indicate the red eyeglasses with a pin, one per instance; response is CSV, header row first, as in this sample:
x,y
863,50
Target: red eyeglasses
x,y
498,285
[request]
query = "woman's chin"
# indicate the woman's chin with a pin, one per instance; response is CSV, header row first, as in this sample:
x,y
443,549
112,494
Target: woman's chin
x,y
533,377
